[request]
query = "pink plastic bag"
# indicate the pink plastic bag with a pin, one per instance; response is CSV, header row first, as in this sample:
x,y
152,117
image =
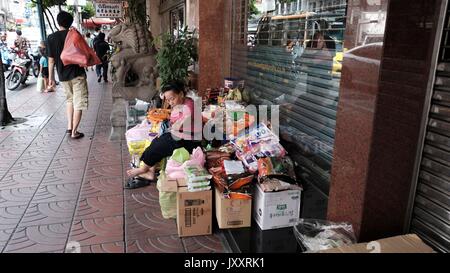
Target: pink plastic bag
x,y
139,132
77,51
175,170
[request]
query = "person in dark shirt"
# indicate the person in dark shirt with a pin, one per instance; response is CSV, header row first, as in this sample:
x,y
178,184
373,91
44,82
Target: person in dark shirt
x,y
101,48
72,77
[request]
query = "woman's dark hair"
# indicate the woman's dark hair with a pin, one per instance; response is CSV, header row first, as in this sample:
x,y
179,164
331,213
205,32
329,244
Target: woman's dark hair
x,y
64,19
101,36
19,32
176,86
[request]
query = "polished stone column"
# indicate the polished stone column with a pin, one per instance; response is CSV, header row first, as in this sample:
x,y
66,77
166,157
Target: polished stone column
x,y
382,97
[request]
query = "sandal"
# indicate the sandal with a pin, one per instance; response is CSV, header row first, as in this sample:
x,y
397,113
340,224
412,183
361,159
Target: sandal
x,y
69,131
137,182
77,136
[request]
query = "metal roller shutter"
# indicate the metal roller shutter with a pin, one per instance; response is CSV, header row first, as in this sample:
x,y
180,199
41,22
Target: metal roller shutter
x,y
304,83
431,211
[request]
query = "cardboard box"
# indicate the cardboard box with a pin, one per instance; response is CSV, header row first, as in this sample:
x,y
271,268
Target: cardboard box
x,y
194,209
276,209
232,213
410,243
194,212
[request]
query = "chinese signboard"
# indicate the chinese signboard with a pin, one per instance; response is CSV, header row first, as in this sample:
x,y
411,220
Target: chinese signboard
x,y
108,10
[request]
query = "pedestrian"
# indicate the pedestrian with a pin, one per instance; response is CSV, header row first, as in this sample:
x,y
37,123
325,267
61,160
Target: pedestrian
x,y
97,31
90,42
44,68
3,41
22,44
72,77
101,48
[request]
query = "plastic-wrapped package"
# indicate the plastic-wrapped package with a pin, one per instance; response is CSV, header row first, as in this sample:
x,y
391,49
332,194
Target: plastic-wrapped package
x,y
197,173
316,235
275,167
255,135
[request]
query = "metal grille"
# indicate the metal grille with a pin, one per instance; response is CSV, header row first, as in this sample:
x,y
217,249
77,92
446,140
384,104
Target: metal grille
x,y
278,57
431,212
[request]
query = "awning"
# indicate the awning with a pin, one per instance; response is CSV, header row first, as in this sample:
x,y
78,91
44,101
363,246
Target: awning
x,y
96,22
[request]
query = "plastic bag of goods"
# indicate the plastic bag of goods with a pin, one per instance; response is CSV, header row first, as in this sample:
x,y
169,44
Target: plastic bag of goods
x,y
316,235
167,200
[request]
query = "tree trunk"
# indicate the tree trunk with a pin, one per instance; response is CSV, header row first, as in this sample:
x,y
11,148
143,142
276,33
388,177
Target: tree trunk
x,y
5,115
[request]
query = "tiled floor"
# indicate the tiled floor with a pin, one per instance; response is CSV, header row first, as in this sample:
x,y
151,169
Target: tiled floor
x,y
55,191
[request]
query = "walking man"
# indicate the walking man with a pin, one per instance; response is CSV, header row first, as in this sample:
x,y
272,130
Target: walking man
x,y
101,48
72,77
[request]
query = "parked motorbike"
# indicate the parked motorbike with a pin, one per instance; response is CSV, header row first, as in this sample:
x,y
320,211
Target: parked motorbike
x,y
36,57
20,70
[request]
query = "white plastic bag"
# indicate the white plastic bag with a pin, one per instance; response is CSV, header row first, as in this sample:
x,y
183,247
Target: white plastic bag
x,y
40,83
316,235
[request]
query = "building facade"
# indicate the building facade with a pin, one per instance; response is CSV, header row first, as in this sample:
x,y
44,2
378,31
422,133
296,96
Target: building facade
x,y
364,98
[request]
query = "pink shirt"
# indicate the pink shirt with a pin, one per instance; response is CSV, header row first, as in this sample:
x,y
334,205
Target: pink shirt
x,y
185,113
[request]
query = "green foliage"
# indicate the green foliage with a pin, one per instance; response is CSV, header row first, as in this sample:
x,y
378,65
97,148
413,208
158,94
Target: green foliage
x,y
87,11
175,55
47,3
252,9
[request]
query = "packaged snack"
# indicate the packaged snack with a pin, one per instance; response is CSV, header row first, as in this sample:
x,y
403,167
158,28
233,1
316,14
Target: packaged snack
x,y
199,189
276,167
197,173
233,167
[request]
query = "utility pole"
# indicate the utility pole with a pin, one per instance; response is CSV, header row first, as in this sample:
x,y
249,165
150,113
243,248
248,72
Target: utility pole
x,y
41,20
77,15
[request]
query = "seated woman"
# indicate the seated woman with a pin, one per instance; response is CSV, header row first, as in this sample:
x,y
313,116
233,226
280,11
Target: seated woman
x,y
176,137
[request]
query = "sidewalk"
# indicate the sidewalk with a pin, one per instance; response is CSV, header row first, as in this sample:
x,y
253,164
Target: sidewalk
x,y
54,190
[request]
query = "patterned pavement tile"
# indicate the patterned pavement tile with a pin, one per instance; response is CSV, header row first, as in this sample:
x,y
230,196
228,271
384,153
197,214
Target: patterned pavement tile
x,y
24,165
99,206
39,152
68,163
48,213
79,151
204,244
101,171
147,197
116,247
16,197
5,234
97,231
164,244
21,179
10,216
96,159
8,158
45,238
58,192
102,187
148,222
62,176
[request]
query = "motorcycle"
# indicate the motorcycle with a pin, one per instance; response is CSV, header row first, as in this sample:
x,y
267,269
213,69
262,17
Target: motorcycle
x,y
36,57
20,70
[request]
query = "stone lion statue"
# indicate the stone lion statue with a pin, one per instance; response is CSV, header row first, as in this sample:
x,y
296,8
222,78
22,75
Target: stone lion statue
x,y
133,71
